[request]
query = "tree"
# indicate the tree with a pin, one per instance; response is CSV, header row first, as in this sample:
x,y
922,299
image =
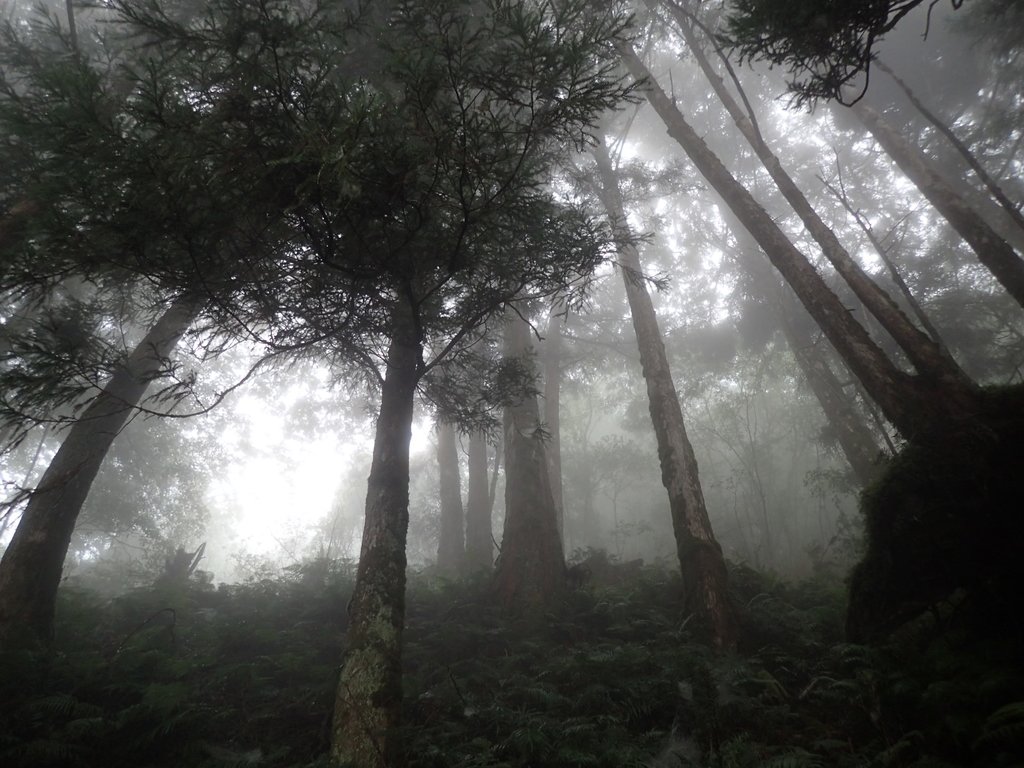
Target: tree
x,y
991,249
409,170
825,46
913,405
479,545
552,391
928,357
705,577
451,548
31,566
116,204
530,574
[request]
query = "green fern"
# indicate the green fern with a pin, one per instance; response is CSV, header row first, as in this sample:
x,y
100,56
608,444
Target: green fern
x,y
1003,729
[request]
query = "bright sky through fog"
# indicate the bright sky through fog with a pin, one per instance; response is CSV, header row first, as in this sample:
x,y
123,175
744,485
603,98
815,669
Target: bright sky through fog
x,y
278,487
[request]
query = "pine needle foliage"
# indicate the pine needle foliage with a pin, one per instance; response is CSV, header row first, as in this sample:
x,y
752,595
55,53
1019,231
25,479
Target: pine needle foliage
x,y
188,675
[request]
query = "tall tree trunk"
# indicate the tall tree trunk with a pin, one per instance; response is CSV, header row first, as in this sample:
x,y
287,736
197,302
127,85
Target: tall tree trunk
x,y
911,405
451,549
368,703
962,149
991,249
894,272
31,568
530,574
927,357
552,386
855,438
705,577
479,547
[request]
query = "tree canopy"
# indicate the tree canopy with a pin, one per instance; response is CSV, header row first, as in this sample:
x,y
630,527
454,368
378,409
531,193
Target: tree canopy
x,y
826,46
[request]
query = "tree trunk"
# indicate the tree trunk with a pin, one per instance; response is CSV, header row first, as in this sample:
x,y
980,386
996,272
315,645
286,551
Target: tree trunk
x,y
927,357
530,574
552,385
368,704
451,549
30,571
962,149
992,250
910,405
479,547
854,437
890,265
705,578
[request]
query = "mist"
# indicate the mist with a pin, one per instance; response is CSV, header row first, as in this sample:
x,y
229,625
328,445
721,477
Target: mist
x,y
510,384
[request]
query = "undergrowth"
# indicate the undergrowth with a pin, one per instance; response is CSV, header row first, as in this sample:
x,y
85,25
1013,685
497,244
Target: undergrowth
x,y
244,676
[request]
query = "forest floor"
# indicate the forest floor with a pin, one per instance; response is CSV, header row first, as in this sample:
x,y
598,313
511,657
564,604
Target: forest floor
x,y
243,675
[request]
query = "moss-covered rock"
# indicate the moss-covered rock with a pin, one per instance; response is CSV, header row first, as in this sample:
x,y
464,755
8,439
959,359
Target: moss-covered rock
x,y
945,527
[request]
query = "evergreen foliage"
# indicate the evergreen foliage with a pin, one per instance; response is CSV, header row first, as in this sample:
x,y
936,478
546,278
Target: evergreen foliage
x,y
178,675
826,46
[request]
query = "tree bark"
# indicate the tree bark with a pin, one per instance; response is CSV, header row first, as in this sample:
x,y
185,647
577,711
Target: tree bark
x,y
911,405
30,571
479,545
705,577
927,357
991,249
451,549
552,386
530,574
367,708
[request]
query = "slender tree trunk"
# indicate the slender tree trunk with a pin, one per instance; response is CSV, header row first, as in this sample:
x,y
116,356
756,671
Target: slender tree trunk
x,y
906,402
705,577
552,385
927,357
451,550
367,708
962,149
991,249
855,439
479,547
492,491
530,574
31,568
890,265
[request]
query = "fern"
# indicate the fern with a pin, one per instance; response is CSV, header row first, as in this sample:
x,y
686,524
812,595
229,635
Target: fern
x,y
795,759
1003,729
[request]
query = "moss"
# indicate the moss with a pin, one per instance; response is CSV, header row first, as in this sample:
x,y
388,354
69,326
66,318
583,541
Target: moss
x,y
945,518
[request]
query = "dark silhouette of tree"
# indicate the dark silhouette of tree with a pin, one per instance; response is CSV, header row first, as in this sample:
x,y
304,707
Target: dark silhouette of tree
x,y
825,46
530,574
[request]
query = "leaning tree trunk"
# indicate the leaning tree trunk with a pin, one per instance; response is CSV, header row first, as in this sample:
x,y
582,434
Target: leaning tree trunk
x,y
991,249
451,549
912,405
997,192
479,547
894,272
30,571
530,574
855,438
705,577
552,386
367,707
929,358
